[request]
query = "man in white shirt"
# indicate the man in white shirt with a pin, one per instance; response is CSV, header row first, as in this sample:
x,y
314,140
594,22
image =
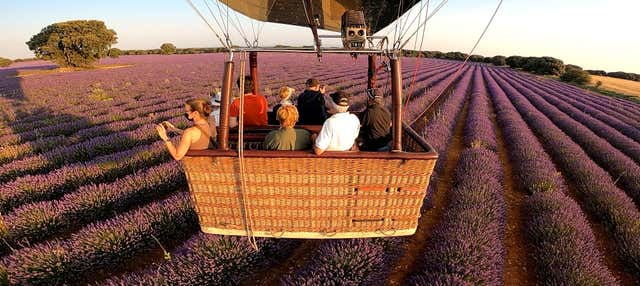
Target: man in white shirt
x,y
339,132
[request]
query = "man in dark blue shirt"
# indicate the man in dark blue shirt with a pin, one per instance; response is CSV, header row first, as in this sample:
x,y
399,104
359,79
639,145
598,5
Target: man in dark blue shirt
x,y
311,104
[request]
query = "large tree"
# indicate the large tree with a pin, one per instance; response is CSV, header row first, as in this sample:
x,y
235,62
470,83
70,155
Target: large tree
x,y
73,43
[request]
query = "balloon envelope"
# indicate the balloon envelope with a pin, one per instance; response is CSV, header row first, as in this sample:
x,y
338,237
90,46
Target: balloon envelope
x,y
378,13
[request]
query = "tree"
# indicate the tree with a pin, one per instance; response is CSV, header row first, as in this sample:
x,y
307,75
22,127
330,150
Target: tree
x,y
575,74
114,52
515,62
544,65
167,49
476,58
5,62
76,43
499,61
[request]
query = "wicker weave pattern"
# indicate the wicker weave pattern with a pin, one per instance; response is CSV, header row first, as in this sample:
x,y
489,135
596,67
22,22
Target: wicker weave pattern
x,y
310,197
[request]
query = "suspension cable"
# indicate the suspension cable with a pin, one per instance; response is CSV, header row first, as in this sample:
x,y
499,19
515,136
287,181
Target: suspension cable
x,y
248,212
457,72
209,25
435,11
417,64
226,34
404,32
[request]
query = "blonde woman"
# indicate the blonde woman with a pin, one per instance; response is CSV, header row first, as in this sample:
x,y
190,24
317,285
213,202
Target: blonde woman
x,y
287,137
284,93
200,136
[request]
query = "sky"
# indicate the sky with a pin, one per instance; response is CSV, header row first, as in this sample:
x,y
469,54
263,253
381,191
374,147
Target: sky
x,y
594,34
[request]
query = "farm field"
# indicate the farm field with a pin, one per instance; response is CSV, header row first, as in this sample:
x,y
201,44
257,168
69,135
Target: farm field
x,y
538,182
623,86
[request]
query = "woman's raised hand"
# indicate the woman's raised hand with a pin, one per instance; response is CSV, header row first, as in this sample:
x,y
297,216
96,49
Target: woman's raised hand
x,y
169,126
162,132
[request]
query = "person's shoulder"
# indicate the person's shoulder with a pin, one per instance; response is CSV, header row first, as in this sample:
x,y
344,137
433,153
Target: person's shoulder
x,y
191,131
302,131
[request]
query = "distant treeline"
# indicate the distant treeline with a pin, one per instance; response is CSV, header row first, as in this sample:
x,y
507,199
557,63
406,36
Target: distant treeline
x,y
538,65
618,74
177,51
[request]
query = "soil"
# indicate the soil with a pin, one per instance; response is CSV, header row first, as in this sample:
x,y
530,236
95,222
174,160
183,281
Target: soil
x,y
518,267
272,275
416,244
605,243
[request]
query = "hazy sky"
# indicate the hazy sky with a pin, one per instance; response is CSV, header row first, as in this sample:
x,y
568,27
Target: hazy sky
x,y
594,34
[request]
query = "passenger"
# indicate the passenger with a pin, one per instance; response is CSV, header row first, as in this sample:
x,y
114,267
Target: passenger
x,y
255,107
287,137
311,104
200,136
284,94
216,96
376,124
340,131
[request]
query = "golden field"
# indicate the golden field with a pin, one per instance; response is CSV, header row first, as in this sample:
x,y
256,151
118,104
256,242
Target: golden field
x,y
623,86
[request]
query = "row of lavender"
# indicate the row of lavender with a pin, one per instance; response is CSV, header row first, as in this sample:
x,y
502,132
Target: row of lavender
x,y
564,246
595,188
466,245
102,246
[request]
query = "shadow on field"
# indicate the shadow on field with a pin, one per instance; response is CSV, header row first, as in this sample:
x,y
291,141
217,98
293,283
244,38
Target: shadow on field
x,y
36,114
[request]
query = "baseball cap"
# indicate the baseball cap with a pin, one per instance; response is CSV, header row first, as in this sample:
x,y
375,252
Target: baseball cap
x,y
340,98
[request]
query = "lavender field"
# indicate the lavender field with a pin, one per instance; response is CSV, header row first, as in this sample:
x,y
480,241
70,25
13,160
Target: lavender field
x,y
537,183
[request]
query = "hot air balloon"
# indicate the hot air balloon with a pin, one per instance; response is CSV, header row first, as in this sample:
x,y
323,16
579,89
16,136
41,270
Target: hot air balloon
x,y
297,194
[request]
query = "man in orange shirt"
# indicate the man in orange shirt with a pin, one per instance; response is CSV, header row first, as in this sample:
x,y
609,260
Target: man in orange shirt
x,y
255,107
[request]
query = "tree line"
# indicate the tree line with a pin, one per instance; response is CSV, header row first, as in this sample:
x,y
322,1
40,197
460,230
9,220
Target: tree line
x,y
80,43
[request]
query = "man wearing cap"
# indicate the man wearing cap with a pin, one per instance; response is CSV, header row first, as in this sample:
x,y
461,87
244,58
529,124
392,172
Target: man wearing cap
x,y
376,123
339,132
311,104
216,96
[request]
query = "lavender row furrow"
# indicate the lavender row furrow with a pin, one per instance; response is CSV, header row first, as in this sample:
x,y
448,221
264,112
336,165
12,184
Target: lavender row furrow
x,y
77,124
80,152
615,137
613,106
602,198
102,246
207,259
33,188
16,152
564,247
39,221
615,162
467,242
607,116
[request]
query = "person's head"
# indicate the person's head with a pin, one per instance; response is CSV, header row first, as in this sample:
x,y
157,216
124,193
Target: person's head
x,y
196,109
216,96
248,84
341,100
285,92
374,96
288,115
313,84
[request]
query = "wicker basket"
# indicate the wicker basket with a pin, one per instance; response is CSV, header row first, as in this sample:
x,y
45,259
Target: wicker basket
x,y
296,194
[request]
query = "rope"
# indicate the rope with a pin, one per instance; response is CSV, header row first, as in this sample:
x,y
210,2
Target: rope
x,y
268,13
404,32
243,183
435,11
457,72
207,22
403,23
221,27
417,65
